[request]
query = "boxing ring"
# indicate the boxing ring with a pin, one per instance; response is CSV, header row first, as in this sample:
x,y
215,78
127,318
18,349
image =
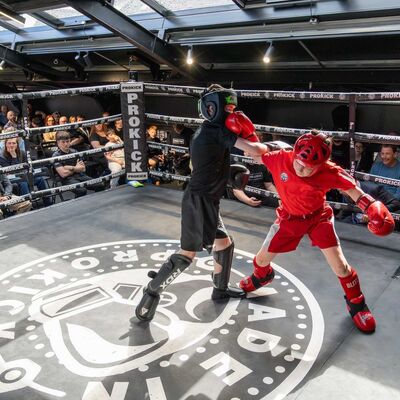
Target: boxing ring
x,y
71,280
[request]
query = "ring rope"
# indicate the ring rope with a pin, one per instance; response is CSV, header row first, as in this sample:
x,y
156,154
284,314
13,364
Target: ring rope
x,y
261,192
59,189
359,136
52,160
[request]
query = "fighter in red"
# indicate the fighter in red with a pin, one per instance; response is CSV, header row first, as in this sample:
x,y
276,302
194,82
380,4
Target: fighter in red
x,y
302,178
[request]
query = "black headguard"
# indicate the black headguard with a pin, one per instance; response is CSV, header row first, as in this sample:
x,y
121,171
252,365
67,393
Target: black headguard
x,y
212,103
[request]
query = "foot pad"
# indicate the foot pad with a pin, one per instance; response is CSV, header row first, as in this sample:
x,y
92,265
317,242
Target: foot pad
x,y
219,294
147,307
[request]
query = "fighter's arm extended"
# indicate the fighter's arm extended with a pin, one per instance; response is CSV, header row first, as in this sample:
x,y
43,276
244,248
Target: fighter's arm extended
x,y
381,222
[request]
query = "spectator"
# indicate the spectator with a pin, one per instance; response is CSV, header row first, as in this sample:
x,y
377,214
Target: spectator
x,y
363,158
118,128
49,138
98,138
12,155
116,158
56,116
389,167
155,156
11,120
3,114
6,194
21,143
181,136
72,170
259,178
72,119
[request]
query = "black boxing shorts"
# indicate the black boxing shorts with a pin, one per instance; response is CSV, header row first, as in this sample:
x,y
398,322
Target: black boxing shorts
x,y
201,223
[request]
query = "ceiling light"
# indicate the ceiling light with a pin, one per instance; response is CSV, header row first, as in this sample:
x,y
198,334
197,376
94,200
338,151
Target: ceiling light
x,y
189,57
268,53
87,60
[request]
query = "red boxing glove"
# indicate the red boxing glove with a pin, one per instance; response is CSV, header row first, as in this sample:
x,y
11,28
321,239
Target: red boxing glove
x,y
240,124
381,222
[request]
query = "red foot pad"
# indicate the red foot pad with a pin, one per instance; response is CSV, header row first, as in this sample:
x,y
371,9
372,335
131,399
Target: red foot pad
x,y
361,315
260,277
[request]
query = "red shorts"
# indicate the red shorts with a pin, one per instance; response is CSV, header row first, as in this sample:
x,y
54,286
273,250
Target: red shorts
x,y
287,231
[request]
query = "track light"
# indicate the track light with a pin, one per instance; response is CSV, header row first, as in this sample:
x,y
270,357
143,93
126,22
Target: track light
x,y
189,57
79,59
2,64
87,60
268,53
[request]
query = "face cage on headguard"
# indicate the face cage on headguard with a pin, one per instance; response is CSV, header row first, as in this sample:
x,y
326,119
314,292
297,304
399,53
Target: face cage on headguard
x,y
217,100
312,149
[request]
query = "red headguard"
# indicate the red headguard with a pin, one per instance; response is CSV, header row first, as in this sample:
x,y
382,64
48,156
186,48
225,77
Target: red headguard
x,y
312,149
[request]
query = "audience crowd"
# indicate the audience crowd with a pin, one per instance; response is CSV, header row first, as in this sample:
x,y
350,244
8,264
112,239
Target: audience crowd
x,y
380,160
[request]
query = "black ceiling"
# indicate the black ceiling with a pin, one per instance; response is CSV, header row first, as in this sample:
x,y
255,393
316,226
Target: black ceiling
x,y
319,44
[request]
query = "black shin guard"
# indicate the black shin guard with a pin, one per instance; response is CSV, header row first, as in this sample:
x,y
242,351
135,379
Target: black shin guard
x,y
170,270
221,281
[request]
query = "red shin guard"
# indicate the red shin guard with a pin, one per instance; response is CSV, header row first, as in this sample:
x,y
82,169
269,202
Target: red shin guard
x,y
261,276
359,311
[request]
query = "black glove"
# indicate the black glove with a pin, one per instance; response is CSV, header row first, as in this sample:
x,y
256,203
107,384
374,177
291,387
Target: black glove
x,y
239,176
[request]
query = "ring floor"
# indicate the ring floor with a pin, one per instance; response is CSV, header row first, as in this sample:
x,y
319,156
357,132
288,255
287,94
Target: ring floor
x,y
72,274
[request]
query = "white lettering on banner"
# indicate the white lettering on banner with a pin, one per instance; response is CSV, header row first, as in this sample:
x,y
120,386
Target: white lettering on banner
x,y
132,97
135,167
134,134
133,109
136,156
134,121
390,96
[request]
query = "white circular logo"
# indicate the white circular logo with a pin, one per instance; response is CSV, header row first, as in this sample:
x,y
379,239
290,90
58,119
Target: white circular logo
x,y
67,328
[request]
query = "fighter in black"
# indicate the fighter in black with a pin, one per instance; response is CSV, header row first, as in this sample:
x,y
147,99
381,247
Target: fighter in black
x,y
201,224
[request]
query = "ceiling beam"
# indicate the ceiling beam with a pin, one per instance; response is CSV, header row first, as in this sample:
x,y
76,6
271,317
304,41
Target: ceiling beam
x,y
158,8
47,19
9,27
19,60
122,26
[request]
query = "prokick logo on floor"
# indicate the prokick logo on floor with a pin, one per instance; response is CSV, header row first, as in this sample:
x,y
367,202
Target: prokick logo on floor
x,y
65,330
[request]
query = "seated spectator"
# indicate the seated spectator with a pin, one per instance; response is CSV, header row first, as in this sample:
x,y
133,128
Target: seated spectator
x,y
116,158
12,155
72,119
6,194
3,114
83,129
49,138
118,128
12,121
72,170
259,178
181,136
378,155
340,154
155,156
21,143
56,116
98,138
389,167
363,158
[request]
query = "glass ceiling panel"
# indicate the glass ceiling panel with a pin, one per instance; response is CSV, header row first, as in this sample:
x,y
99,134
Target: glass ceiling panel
x,y
130,7
179,5
64,12
31,21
